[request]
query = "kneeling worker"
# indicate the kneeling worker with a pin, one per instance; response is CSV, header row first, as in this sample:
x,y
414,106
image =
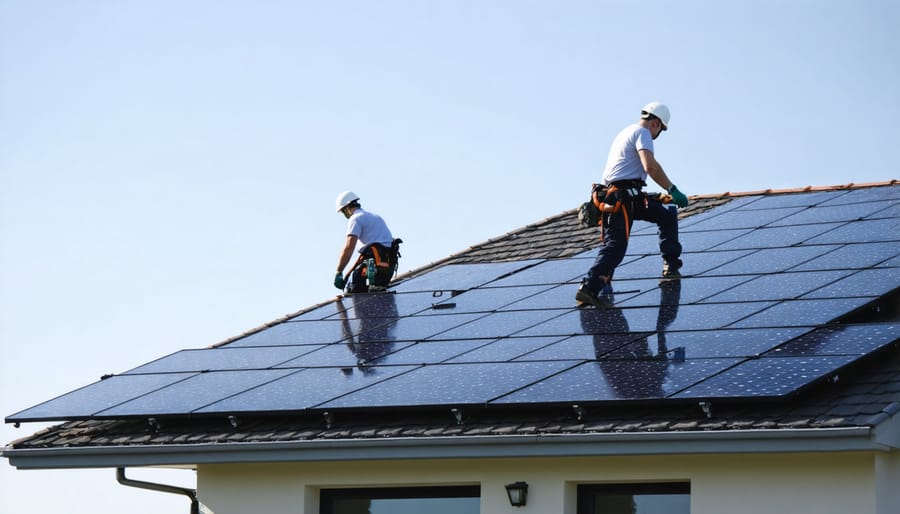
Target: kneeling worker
x,y
379,250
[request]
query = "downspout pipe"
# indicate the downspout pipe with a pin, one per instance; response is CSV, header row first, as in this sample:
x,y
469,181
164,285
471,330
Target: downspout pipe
x,y
140,484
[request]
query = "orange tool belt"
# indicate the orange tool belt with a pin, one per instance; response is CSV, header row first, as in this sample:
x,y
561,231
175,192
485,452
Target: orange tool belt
x,y
606,208
383,256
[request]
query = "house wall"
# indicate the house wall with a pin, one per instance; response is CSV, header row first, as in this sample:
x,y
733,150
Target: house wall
x,y
887,482
833,483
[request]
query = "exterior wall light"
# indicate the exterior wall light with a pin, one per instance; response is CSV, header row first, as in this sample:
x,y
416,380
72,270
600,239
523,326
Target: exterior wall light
x,y
518,493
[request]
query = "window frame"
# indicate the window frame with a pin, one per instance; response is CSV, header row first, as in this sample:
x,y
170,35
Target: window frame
x,y
587,492
327,496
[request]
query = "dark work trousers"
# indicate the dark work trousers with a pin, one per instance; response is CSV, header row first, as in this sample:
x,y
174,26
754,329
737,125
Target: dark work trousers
x,y
616,231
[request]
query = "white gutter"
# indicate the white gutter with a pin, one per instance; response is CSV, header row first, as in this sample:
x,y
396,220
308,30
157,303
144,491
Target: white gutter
x,y
456,447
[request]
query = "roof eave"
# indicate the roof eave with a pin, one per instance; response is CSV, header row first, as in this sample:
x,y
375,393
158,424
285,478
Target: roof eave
x,y
557,445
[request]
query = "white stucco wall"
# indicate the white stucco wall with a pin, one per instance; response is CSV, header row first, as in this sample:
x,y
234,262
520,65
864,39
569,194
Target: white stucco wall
x,y
833,483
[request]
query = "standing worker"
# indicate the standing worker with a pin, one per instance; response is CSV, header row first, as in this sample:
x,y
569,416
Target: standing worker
x,y
621,200
378,255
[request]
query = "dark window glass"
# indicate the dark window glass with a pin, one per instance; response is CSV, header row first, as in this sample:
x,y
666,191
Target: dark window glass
x,y
401,500
668,498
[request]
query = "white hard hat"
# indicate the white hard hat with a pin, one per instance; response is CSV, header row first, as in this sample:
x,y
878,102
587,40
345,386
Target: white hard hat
x,y
659,110
344,199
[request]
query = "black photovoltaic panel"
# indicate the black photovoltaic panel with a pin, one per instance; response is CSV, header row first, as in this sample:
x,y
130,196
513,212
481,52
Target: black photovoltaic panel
x,y
508,349
764,377
99,396
801,313
618,380
744,219
486,299
855,340
833,213
870,194
732,205
778,286
461,276
852,256
770,260
550,272
705,262
651,294
804,200
304,389
227,358
776,237
765,279
865,231
195,392
450,384
709,239
871,282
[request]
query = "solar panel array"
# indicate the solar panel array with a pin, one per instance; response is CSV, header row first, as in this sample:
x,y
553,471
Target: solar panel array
x,y
754,317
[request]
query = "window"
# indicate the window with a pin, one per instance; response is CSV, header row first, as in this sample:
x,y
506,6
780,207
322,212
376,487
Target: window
x,y
665,498
401,500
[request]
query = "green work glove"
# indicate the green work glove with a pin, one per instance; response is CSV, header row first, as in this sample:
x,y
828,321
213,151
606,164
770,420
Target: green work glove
x,y
678,197
339,280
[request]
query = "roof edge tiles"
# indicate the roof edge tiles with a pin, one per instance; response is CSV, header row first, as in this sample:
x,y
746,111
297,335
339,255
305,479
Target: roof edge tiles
x,y
481,446
806,189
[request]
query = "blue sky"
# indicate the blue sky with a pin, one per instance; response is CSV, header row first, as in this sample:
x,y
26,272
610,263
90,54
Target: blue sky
x,y
168,169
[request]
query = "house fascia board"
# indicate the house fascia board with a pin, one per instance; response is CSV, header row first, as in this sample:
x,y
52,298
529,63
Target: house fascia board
x,y
557,445
887,426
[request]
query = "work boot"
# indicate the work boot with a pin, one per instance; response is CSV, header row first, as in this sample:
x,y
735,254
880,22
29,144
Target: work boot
x,y
670,273
585,297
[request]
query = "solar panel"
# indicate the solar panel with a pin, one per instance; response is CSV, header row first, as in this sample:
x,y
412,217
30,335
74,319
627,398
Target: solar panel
x,y
852,256
97,397
833,213
689,290
461,276
871,282
765,377
856,340
349,353
706,240
770,260
741,219
221,359
776,237
804,200
553,271
801,313
618,380
767,281
864,231
304,389
485,299
450,384
195,392
870,194
778,286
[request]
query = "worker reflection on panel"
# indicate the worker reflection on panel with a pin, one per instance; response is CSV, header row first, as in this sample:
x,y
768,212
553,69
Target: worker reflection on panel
x,y
631,368
375,314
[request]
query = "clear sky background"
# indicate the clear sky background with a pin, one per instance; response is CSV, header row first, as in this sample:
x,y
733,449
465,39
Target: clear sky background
x,y
168,168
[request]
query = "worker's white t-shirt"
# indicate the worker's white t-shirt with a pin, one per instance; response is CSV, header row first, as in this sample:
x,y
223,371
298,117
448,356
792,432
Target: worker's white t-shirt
x,y
369,228
623,162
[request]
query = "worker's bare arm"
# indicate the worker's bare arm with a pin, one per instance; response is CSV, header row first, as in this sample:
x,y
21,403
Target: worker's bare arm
x,y
346,252
654,169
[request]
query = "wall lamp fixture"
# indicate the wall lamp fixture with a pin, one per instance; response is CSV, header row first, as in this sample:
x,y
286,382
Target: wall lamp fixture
x,y
518,493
